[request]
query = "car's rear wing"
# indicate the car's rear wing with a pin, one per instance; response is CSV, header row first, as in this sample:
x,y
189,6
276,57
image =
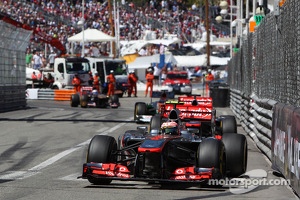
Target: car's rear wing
x,y
196,101
86,90
188,111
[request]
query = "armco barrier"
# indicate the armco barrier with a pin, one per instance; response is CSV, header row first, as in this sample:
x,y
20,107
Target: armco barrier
x,y
49,94
46,94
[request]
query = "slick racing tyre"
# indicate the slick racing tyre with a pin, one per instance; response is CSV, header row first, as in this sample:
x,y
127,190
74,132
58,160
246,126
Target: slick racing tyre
x,y
211,154
100,150
228,124
155,122
114,98
140,108
84,101
75,99
236,154
114,101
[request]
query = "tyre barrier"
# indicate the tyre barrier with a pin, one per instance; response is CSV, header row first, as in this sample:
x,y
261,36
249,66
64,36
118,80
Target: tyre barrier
x,y
63,95
255,116
12,98
49,94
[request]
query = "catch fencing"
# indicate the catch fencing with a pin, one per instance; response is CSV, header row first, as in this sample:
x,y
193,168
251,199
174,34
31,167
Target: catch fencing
x,y
265,89
13,44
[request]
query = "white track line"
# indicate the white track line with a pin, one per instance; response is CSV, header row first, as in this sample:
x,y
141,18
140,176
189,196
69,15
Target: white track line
x,y
12,175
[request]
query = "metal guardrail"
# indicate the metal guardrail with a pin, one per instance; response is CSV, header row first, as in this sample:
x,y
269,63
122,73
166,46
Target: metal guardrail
x,y
45,94
49,94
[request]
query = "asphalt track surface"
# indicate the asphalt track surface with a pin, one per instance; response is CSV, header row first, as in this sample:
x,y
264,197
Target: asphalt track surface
x,y
43,147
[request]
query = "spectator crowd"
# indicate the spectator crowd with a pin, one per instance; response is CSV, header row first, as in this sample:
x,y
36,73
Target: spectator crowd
x,y
59,18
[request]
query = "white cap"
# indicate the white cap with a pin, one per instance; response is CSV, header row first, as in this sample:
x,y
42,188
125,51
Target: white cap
x,y
209,70
111,71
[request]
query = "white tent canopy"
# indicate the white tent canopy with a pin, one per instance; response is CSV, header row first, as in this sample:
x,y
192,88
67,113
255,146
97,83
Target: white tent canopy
x,y
143,62
201,60
91,35
190,61
199,45
214,60
138,44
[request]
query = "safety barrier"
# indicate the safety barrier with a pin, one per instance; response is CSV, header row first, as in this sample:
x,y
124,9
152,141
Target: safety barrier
x,y
63,95
256,117
49,94
12,98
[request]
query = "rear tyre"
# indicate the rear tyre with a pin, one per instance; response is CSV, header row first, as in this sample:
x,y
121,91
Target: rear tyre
x,y
228,124
114,101
114,98
120,95
211,154
84,101
75,99
100,150
236,154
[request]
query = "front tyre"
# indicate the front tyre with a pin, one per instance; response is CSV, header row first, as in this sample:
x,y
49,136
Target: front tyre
x,y
211,154
155,122
100,150
236,154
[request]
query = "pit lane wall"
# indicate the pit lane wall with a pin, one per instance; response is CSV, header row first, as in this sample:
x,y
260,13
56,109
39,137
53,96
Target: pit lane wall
x,y
13,44
264,88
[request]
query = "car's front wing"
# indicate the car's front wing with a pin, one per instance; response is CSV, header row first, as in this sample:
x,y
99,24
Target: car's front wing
x,y
120,172
144,118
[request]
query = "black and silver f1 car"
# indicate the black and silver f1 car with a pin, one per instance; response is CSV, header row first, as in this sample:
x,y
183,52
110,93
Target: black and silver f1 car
x,y
182,158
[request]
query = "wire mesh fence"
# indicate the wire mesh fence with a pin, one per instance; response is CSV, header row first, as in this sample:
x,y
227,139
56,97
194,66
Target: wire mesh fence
x,y
268,62
12,66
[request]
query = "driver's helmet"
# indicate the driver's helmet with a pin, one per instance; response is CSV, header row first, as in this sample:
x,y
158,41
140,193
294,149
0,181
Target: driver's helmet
x,y
170,128
95,93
